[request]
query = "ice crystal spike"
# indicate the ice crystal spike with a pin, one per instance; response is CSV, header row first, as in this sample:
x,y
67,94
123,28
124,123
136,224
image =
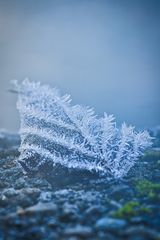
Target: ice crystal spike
x,y
55,132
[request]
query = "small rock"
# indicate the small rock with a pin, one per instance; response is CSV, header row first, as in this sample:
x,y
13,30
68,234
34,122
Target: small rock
x,y
137,219
45,196
42,208
63,192
94,210
32,192
142,231
10,192
3,184
52,222
3,200
80,231
69,208
110,224
69,213
39,183
36,232
106,236
20,183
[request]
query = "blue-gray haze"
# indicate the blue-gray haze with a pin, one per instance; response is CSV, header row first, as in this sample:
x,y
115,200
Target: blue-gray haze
x,y
106,54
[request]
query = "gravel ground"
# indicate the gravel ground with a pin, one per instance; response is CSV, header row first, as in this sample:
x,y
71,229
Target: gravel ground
x,y
45,207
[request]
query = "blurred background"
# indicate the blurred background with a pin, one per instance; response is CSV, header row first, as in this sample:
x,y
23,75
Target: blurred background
x,y
106,54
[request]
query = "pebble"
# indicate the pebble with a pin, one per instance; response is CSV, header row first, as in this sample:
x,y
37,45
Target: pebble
x,y
10,192
52,222
94,210
20,183
107,223
69,212
136,219
42,208
80,231
32,192
143,231
45,196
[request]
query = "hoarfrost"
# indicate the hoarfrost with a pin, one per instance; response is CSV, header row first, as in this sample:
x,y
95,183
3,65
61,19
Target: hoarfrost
x,y
52,130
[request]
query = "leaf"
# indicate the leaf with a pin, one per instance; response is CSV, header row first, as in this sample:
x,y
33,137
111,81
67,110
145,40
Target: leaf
x,y
52,130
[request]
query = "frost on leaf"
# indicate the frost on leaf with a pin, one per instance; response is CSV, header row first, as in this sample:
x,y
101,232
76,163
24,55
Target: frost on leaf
x,y
54,131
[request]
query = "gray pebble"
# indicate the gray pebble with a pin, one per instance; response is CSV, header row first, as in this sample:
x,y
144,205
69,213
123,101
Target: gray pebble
x,y
110,224
79,230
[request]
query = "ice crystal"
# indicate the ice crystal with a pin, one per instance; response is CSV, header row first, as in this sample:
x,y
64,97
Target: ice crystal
x,y
53,130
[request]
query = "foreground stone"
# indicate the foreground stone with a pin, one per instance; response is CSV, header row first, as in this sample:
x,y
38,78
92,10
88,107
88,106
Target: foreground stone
x,y
110,224
79,231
